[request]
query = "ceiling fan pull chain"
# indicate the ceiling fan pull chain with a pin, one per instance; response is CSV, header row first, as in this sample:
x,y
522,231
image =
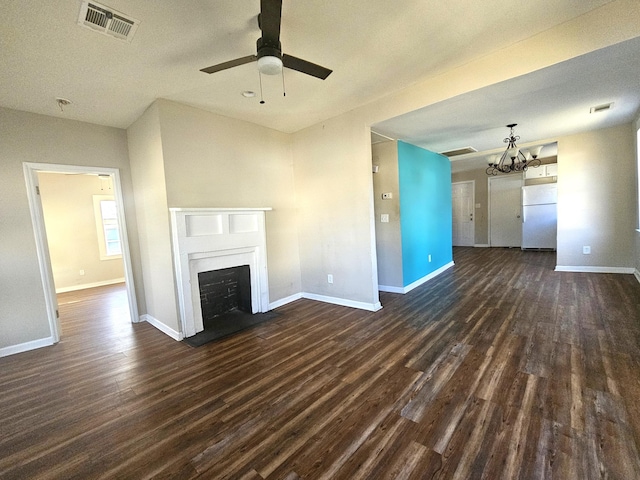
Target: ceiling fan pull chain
x,y
284,90
261,98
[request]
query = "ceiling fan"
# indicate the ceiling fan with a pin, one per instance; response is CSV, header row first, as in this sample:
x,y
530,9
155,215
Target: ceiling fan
x,y
269,49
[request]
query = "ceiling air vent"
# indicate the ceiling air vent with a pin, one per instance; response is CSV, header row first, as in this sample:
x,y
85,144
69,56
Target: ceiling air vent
x,y
108,21
459,151
601,108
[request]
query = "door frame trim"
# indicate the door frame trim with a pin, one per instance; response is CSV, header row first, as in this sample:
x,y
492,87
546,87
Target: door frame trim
x,y
42,247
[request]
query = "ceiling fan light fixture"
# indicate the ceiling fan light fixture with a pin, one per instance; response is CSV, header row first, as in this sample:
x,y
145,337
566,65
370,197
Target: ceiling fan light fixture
x,y
270,65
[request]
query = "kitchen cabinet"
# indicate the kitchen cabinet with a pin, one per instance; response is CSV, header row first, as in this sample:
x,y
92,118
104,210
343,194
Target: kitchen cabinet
x,y
543,171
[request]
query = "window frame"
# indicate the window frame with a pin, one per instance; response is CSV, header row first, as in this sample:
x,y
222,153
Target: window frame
x,y
103,225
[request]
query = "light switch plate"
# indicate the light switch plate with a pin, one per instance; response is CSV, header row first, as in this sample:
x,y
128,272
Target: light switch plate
x,y
384,218
387,196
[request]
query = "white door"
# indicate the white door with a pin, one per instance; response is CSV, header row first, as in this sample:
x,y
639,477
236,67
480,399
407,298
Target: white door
x,y
462,199
505,211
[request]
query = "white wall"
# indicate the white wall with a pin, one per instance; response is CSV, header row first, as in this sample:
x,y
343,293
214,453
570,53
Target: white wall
x,y
214,161
332,167
72,234
337,224
27,137
636,128
388,237
186,157
597,203
148,175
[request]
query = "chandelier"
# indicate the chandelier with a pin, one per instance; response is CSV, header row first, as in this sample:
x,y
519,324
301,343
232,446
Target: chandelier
x,y
513,159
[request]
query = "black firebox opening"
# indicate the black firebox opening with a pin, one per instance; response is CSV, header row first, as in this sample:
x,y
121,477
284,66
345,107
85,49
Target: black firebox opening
x,y
223,291
225,297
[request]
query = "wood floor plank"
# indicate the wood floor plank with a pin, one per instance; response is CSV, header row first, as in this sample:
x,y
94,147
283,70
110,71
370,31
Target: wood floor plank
x,y
498,368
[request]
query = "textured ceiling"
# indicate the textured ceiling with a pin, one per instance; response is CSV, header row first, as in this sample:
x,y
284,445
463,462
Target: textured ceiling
x,y
546,104
374,47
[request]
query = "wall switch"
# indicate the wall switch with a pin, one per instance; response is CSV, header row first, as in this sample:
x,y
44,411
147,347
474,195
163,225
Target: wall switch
x,y
375,168
429,258
478,205
387,196
586,250
384,218
81,272
330,278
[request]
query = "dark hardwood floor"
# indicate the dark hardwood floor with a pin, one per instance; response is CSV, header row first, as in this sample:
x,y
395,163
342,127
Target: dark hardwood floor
x,y
498,368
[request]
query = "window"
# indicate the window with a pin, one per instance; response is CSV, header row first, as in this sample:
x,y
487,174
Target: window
x,y
107,225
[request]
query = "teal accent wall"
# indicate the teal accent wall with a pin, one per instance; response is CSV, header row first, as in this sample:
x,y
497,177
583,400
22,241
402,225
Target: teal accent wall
x,y
425,211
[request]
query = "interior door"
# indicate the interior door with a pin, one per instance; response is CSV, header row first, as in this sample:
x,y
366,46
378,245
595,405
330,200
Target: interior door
x,y
462,199
505,211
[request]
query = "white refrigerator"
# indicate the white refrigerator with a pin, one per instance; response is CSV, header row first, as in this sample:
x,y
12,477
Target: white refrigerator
x,y
539,216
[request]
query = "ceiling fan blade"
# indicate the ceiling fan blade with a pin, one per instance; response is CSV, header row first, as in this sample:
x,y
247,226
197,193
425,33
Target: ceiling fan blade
x,y
229,64
270,16
303,66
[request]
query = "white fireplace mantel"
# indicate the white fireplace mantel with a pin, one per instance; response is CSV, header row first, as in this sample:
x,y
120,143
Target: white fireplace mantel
x,y
213,238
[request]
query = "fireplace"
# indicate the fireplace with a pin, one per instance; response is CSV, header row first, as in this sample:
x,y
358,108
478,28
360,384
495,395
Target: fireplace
x,y
213,239
224,290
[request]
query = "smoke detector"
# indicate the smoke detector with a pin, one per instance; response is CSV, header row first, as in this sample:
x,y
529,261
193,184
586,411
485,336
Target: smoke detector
x,y
107,21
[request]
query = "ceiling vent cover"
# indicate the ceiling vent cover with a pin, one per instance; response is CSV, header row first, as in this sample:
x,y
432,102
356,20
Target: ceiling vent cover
x,y
601,108
459,151
103,19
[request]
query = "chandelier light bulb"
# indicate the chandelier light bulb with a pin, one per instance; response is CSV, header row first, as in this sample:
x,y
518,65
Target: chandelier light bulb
x,y
535,151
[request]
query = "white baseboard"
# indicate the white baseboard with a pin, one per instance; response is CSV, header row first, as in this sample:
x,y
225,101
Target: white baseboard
x,y
25,347
162,327
482,245
73,288
372,307
417,283
637,274
586,269
390,289
284,301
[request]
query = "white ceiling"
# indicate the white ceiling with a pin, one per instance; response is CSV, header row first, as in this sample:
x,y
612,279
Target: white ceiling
x,y
546,104
374,47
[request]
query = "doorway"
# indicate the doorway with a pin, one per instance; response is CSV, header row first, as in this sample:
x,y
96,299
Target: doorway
x,y
505,211
31,171
463,201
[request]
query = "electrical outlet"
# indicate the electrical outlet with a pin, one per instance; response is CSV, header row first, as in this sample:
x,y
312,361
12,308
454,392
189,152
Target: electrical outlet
x,y
330,278
81,272
384,218
429,258
586,250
